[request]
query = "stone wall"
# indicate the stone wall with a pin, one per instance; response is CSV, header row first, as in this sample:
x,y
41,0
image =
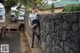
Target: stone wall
x,y
60,33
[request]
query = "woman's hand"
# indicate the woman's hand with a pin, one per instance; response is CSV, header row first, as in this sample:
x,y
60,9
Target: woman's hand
x,y
39,12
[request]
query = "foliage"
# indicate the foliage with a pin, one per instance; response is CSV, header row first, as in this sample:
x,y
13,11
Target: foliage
x,y
9,3
1,1
30,3
52,8
71,8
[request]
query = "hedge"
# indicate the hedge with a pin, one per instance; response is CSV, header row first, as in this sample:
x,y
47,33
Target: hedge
x,y
71,8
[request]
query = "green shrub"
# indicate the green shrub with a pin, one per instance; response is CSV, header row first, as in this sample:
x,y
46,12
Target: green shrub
x,y
71,8
52,8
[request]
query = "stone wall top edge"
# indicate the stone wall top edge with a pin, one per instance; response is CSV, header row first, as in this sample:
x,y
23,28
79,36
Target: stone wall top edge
x,y
63,13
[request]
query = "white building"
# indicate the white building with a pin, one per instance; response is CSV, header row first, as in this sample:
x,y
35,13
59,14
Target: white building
x,y
2,13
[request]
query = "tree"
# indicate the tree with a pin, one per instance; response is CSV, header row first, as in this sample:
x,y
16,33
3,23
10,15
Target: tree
x,y
30,3
1,1
9,3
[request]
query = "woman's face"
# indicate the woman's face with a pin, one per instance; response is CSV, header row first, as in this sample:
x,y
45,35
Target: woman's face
x,y
34,11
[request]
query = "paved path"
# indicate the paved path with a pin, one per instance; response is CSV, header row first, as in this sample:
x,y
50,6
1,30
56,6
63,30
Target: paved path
x,y
17,42
13,39
24,44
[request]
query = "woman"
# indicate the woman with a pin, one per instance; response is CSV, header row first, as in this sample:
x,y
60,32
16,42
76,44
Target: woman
x,y
34,22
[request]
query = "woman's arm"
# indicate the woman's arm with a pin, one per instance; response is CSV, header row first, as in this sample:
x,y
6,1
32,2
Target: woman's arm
x,y
39,12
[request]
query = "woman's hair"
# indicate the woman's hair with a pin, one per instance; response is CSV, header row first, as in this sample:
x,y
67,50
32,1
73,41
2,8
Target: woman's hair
x,y
34,8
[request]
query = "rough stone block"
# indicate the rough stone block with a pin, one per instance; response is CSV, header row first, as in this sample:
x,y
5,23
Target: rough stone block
x,y
66,25
75,27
